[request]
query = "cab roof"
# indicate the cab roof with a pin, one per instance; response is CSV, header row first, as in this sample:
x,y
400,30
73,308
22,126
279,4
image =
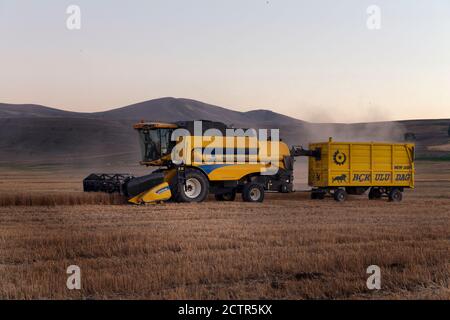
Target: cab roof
x,y
155,125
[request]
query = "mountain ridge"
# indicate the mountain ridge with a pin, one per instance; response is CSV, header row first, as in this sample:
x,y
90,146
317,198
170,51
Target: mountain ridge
x,y
10,110
167,108
35,133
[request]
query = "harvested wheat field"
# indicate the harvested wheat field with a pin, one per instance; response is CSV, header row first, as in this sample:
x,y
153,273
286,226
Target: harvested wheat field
x,y
289,247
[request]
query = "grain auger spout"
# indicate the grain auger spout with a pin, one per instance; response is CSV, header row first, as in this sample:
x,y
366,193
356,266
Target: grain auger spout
x,y
299,151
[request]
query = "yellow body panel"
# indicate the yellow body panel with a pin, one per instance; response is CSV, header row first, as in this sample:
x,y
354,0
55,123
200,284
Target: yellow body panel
x,y
345,164
230,172
156,194
256,156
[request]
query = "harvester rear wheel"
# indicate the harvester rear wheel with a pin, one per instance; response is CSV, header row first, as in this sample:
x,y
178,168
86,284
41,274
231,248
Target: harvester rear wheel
x,y
195,189
253,192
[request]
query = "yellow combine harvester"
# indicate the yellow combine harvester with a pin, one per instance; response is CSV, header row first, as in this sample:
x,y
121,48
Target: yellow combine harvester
x,y
212,161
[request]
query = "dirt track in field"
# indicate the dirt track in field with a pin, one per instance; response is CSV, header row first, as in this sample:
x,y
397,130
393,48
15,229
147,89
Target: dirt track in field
x,y
289,247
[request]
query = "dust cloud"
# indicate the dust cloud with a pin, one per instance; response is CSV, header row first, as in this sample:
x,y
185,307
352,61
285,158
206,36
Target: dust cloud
x,y
378,131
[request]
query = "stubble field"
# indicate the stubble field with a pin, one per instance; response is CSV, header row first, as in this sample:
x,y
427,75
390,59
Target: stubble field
x,y
289,247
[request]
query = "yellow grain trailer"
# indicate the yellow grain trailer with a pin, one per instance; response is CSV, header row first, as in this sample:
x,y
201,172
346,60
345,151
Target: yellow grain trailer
x,y
341,168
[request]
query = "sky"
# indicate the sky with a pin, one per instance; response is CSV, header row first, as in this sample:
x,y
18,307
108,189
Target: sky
x,y
314,60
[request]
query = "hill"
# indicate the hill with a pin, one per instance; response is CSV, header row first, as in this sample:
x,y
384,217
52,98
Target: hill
x,y
33,111
38,134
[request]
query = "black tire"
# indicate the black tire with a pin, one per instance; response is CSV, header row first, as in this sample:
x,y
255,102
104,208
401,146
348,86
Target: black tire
x,y
253,192
395,195
313,195
340,195
229,196
196,188
375,194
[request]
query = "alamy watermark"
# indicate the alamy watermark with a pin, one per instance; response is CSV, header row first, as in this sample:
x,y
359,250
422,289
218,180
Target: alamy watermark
x,y
374,280
234,146
73,21
374,17
74,280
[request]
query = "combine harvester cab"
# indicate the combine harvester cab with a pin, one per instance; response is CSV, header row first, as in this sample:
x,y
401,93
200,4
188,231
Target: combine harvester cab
x,y
354,167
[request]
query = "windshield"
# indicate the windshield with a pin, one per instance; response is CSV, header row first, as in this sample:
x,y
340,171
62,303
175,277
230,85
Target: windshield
x,y
155,143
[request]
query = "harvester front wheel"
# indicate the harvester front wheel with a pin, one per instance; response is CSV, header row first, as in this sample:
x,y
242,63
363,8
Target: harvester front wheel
x,y
195,189
340,195
395,195
253,192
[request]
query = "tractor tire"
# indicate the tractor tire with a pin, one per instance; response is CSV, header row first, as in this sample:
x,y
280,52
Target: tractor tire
x,y
229,196
196,188
375,194
340,195
395,195
253,192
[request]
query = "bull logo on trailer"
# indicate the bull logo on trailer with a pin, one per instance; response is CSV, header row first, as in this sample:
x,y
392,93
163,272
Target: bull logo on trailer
x,y
341,178
339,158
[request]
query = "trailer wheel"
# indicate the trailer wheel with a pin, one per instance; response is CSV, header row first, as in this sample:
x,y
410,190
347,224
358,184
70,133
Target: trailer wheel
x,y
253,192
195,189
340,195
395,195
374,194
229,196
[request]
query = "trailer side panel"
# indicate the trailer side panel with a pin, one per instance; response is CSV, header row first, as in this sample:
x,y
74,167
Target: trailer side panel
x,y
344,164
